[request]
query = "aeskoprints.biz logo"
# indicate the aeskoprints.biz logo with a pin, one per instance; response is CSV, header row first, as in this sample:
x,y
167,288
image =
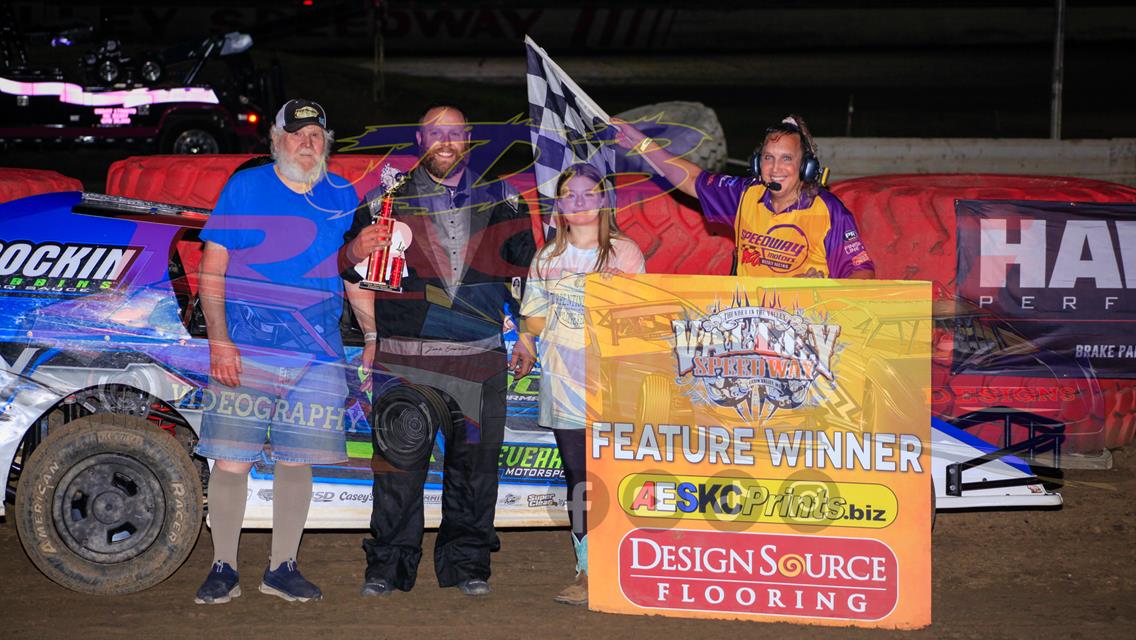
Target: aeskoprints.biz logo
x,y
758,500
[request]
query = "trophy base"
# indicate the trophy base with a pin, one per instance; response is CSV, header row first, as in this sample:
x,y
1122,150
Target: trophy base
x,y
372,285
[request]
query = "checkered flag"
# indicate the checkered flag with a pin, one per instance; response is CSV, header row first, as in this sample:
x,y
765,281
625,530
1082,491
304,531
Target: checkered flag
x,y
567,126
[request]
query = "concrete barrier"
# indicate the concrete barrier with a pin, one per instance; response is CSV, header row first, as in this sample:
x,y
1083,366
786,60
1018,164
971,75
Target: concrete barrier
x,y
1113,160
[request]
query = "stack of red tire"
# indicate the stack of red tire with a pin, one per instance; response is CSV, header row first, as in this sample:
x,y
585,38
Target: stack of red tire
x,y
21,183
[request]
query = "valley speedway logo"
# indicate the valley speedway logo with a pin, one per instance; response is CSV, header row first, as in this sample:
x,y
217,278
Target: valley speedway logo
x,y
733,356
759,574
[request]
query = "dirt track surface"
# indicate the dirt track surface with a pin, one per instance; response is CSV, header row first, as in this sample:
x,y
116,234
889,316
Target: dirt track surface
x,y
1020,574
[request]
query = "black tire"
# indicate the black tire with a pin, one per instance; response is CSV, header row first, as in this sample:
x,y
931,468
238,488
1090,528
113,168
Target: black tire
x,y
144,517
192,138
696,131
407,420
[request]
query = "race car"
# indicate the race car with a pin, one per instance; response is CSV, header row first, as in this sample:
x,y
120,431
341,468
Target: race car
x,y
204,96
103,384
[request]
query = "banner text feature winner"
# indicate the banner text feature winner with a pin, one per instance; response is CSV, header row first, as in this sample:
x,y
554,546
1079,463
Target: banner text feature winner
x,y
759,449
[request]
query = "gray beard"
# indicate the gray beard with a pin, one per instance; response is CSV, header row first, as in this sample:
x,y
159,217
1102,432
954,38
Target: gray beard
x,y
294,172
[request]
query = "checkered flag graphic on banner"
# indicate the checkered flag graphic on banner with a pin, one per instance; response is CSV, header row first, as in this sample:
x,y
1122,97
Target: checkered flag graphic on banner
x,y
568,127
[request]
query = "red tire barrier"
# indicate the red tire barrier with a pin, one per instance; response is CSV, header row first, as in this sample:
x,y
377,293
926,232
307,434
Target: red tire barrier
x,y
908,225
192,181
21,183
1119,412
196,181
674,237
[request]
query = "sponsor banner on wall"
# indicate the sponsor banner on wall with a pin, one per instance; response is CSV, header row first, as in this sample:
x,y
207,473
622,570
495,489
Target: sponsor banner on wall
x,y
759,449
1052,285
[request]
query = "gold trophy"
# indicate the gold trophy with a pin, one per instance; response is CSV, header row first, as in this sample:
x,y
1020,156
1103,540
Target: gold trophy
x,y
384,267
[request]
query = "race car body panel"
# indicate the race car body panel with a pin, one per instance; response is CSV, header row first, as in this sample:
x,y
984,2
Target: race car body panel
x,y
999,481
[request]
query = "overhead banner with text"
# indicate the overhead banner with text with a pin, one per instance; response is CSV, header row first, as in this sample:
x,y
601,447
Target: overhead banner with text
x,y
1059,275
758,449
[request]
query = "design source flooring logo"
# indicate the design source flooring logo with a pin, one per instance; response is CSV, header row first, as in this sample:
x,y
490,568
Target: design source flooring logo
x,y
759,574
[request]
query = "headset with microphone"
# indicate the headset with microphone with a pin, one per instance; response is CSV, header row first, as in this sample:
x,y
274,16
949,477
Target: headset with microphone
x,y
810,167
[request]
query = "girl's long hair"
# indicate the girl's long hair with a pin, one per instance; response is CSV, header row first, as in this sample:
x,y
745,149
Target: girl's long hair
x,y
608,230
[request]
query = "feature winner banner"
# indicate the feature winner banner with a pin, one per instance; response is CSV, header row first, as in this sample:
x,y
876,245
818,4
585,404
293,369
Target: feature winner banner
x,y
1061,273
759,449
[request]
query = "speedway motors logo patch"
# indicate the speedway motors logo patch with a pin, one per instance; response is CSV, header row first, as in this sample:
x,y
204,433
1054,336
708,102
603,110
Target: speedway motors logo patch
x,y
783,248
759,574
745,355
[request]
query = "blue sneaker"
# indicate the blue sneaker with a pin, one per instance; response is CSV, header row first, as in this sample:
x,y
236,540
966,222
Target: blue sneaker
x,y
377,587
286,582
221,586
475,587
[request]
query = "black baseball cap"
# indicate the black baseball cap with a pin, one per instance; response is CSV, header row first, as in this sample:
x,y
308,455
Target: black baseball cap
x,y
298,113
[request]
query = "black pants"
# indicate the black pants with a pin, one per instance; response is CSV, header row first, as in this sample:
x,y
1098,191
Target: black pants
x,y
466,535
574,457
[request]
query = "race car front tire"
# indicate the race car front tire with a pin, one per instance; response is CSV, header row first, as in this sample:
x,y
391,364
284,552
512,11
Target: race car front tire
x,y
407,421
108,505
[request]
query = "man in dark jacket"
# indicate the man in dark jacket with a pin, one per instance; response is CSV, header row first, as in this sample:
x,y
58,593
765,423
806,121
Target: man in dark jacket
x,y
472,247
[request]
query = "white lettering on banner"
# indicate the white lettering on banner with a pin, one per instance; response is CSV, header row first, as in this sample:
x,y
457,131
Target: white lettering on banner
x,y
647,554
1106,351
723,446
1126,234
997,253
1103,265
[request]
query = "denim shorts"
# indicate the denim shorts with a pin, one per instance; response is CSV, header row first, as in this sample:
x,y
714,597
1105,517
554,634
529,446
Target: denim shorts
x,y
298,410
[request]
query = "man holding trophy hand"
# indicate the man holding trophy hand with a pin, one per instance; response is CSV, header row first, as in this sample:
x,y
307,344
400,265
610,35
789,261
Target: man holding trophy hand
x,y
439,324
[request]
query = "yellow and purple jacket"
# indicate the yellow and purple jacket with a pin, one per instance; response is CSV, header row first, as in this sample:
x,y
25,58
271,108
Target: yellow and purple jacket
x,y
815,234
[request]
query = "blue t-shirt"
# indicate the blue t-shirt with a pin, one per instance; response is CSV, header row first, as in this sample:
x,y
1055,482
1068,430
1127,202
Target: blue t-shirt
x,y
282,288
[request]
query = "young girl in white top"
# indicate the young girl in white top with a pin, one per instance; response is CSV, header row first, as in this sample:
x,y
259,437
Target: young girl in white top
x,y
586,241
